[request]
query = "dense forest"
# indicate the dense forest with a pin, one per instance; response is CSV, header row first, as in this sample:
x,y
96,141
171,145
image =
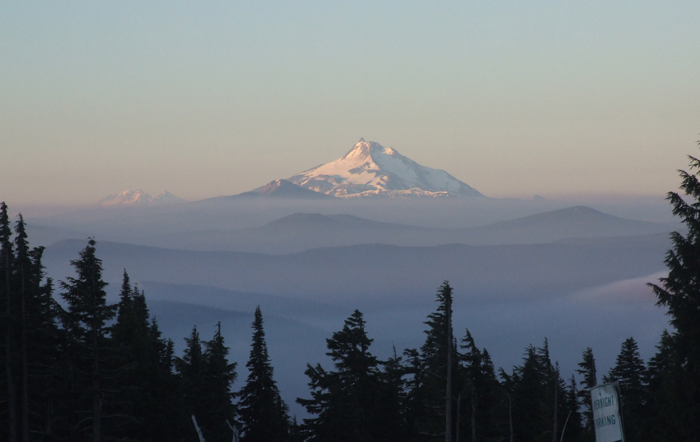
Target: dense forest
x,y
77,368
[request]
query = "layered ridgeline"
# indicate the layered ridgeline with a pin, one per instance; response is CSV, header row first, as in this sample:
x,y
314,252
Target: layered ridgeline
x,y
304,231
369,170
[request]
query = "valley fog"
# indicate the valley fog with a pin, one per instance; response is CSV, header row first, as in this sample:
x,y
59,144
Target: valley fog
x,y
522,271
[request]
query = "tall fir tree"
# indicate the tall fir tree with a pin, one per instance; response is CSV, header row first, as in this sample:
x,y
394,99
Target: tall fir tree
x,y
440,381
573,429
190,368
630,371
665,413
262,412
587,370
392,398
220,375
36,337
146,395
414,386
346,402
164,419
479,417
27,335
86,323
23,267
207,378
538,395
679,292
567,417
9,314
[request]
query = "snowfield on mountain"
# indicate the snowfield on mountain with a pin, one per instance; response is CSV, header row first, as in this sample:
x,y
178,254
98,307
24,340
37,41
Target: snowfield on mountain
x,y
370,169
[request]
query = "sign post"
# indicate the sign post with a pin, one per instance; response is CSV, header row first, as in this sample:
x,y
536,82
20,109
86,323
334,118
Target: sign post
x,y
606,413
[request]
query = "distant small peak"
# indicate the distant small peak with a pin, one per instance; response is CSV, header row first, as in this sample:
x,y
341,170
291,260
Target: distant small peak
x,y
362,140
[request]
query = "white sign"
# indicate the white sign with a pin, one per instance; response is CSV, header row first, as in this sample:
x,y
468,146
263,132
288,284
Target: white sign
x,y
606,413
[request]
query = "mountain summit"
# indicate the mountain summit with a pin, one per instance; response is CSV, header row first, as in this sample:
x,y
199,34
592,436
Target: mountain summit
x,y
139,198
370,169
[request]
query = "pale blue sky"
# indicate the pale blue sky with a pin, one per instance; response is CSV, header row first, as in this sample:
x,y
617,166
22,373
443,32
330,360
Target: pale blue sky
x,y
215,98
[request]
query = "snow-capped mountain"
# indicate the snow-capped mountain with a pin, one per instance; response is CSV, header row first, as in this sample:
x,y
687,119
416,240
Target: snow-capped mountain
x,y
370,169
139,198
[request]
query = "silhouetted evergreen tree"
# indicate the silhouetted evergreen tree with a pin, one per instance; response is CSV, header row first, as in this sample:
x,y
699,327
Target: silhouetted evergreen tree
x,y
539,397
191,370
414,386
436,355
147,393
573,429
164,419
9,316
91,379
22,271
28,337
219,378
566,418
263,414
587,370
347,403
558,406
207,378
680,293
393,399
296,431
36,337
630,371
479,399
129,344
664,385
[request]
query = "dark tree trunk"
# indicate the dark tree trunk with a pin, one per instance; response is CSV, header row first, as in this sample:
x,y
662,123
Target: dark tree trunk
x,y
473,414
459,401
25,365
96,411
96,401
448,395
11,393
510,416
555,428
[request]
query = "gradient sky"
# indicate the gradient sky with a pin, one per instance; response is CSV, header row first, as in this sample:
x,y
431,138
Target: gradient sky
x,y
214,98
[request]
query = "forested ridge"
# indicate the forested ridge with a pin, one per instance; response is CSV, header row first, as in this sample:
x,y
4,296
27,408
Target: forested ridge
x,y
75,368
